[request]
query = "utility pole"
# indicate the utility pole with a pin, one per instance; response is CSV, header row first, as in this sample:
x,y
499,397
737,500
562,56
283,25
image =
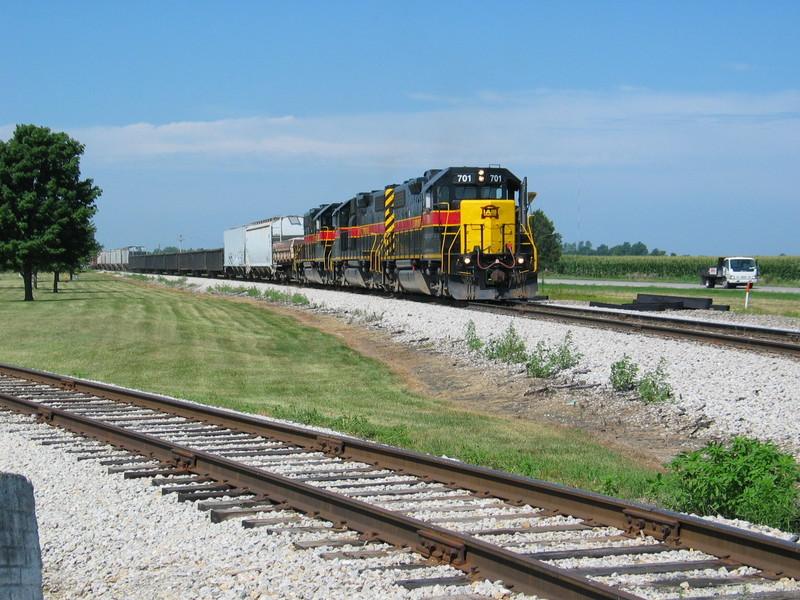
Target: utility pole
x,y
180,242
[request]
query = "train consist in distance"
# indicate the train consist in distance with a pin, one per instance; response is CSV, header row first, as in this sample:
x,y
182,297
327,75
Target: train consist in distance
x,y
460,232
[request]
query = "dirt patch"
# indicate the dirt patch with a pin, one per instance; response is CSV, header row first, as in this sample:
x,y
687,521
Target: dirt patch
x,y
648,435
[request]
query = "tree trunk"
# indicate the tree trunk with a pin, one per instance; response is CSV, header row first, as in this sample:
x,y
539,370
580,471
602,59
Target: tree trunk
x,y
27,277
55,282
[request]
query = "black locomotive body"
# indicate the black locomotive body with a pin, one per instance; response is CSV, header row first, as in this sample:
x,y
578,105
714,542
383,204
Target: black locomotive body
x,y
458,232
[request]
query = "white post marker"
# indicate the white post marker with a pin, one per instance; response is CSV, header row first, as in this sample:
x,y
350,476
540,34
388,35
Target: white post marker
x,y
747,296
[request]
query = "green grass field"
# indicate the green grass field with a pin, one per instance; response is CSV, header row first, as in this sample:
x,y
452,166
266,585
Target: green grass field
x,y
242,356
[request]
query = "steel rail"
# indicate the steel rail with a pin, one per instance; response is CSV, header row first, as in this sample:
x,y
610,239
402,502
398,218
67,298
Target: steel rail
x,y
769,554
741,336
472,556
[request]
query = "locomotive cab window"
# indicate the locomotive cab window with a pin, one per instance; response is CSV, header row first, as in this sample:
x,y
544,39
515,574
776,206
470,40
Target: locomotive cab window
x,y
443,194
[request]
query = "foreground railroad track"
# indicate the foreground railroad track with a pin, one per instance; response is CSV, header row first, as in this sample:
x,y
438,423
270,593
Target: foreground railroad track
x,y
728,334
539,538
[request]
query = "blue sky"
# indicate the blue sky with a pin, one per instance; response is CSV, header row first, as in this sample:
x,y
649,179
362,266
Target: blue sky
x,y
674,123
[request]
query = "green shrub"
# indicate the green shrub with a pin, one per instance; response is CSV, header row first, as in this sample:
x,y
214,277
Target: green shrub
x,y
471,338
747,479
508,348
653,386
623,374
180,281
544,361
279,296
548,361
224,288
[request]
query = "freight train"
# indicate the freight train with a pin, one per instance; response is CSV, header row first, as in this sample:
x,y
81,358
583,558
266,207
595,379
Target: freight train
x,y
459,232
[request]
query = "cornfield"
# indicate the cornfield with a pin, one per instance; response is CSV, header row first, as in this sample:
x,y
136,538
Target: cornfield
x,y
773,269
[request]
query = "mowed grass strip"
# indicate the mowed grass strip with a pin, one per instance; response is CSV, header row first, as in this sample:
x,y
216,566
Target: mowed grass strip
x,y
240,355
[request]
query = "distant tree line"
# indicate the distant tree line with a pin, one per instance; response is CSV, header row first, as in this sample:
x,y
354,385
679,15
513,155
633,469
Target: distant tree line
x,y
624,249
46,209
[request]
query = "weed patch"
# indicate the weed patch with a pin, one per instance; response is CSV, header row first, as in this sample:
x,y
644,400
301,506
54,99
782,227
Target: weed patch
x,y
508,348
548,361
651,387
747,479
543,361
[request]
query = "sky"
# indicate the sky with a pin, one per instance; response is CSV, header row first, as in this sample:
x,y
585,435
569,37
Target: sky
x,y
672,123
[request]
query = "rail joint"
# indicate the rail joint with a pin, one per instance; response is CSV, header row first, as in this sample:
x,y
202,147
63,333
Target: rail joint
x,y
184,458
440,547
646,523
330,445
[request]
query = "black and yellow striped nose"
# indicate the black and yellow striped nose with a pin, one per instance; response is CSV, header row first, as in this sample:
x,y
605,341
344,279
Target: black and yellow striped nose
x,y
388,222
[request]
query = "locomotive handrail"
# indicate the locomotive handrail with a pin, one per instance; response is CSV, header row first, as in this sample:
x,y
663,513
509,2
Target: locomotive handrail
x,y
454,234
528,229
376,255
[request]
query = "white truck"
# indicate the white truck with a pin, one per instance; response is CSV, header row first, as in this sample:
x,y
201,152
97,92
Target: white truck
x,y
730,272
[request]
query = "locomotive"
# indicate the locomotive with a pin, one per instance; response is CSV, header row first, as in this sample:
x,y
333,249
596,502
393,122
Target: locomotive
x,y
459,232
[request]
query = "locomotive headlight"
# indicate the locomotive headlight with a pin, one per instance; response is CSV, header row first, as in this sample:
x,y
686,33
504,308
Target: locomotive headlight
x,y
481,175
467,260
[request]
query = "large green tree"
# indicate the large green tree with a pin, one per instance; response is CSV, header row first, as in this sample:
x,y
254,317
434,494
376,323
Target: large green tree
x,y
46,209
548,242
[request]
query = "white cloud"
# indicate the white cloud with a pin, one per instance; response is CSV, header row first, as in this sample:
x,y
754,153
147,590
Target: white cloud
x,y
737,66
541,128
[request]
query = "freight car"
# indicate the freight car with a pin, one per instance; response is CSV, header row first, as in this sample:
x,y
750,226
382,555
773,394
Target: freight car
x,y
116,259
194,262
258,250
460,232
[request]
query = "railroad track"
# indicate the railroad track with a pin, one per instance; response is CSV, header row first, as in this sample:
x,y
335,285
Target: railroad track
x,y
782,341
538,538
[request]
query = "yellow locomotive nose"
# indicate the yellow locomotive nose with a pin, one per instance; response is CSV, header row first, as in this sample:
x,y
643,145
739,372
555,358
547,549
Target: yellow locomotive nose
x,y
488,225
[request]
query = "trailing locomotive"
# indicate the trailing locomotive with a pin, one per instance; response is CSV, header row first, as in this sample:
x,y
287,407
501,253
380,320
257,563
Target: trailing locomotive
x,y
459,232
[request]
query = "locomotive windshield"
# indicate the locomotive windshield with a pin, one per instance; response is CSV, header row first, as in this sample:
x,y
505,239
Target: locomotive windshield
x,y
483,192
454,194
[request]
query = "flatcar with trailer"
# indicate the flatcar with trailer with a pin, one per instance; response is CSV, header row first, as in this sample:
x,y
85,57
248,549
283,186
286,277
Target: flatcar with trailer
x,y
459,232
